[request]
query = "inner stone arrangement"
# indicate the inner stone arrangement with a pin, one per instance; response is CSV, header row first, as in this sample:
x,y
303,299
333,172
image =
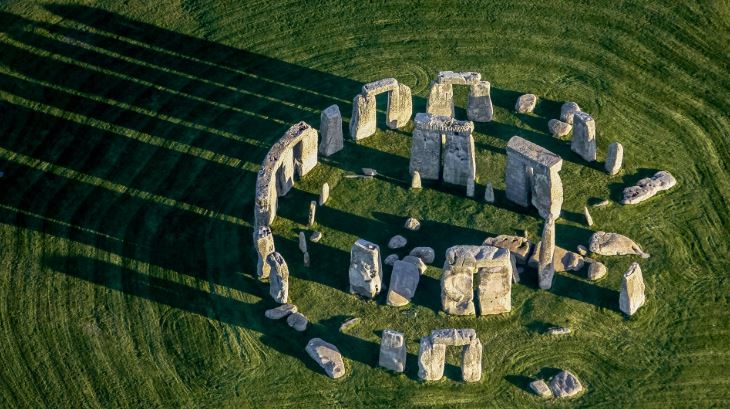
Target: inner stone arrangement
x,y
400,107
441,96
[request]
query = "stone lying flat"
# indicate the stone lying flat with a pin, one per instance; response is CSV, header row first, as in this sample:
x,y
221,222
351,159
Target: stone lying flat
x,y
392,351
391,259
557,331
412,224
298,321
540,388
280,311
397,242
403,283
582,250
648,187
416,261
526,103
596,271
380,86
427,254
565,385
614,158
563,260
614,244
632,294
604,202
327,356
559,128
518,246
458,78
453,336
567,110
349,324
587,215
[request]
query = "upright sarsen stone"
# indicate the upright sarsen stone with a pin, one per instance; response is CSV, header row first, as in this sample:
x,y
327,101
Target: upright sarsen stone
x,y
471,361
366,269
479,107
392,351
459,159
403,283
264,243
425,148
567,110
362,122
584,136
495,290
441,99
531,176
632,290
330,130
431,360
279,278
400,107
546,268
614,158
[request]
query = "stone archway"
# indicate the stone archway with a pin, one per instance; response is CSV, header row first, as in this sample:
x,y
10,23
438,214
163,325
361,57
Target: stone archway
x,y
441,95
432,354
400,107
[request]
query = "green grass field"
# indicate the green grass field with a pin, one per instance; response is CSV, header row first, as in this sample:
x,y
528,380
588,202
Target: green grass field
x,y
130,137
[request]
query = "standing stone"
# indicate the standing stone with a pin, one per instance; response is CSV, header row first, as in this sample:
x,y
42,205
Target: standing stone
x,y
470,185
366,269
279,278
546,268
531,177
495,290
431,360
441,99
559,128
563,260
392,351
471,361
416,180
584,136
596,271
327,356
302,242
298,321
614,158
427,254
330,129
264,241
479,106
425,148
400,107
489,193
459,166
403,282
541,388
648,187
589,219
412,224
567,110
614,244
362,123
324,194
565,385
526,103
312,212
632,290
457,287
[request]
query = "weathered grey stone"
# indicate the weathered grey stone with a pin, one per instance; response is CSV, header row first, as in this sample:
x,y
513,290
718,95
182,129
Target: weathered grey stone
x,y
279,278
614,244
427,254
614,158
403,283
587,214
459,166
280,311
412,224
264,243
519,247
366,270
584,136
380,86
416,180
315,237
559,128
495,289
369,172
489,193
312,212
471,361
541,388
302,242
458,78
557,331
425,148
362,122
453,336
479,105
648,187
632,294
596,271
440,99
327,356
400,107
563,260
532,177
526,103
330,129
298,321
546,268
567,110
397,242
392,351
416,261
324,193
565,385
349,324
582,250
391,259
431,360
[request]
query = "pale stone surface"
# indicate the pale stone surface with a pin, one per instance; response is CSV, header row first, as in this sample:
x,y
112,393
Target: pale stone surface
x,y
489,193
531,177
302,242
369,172
315,237
427,254
557,331
526,103
403,283
458,78
391,259
540,388
440,99
380,86
604,202
582,250
563,260
327,356
280,311
470,187
614,244
416,180
362,122
479,105
298,321
584,136
596,271
264,244
392,351
279,278
400,107
632,294
518,246
312,212
587,214
330,129
559,128
459,166
425,149
565,385
324,193
416,261
471,361
648,187
546,267
412,224
366,270
495,289
567,110
397,242
453,336
431,360
349,324
614,158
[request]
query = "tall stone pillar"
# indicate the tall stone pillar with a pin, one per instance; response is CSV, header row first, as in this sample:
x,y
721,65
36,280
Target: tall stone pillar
x,y
546,268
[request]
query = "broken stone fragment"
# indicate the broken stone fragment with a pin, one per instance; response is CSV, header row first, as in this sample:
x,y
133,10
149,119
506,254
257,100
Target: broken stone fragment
x,y
557,331
648,187
369,172
563,260
427,254
416,261
403,283
520,247
596,271
412,224
632,294
327,356
397,242
540,388
526,103
614,158
416,180
587,214
298,321
279,278
280,311
567,110
366,269
559,128
614,244
324,194
315,237
312,212
330,129
604,202
392,351
349,324
565,385
391,259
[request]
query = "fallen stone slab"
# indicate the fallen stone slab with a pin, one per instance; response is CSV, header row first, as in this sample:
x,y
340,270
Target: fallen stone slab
x,y
648,187
427,254
541,389
280,311
518,246
596,271
614,244
559,128
565,385
526,103
416,261
587,214
349,324
298,321
403,283
327,356
392,351
369,172
563,260
557,331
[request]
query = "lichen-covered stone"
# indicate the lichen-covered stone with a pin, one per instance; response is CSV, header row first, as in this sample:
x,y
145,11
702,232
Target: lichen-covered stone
x,y
412,224
366,270
648,187
330,130
427,254
632,294
403,283
298,321
526,103
565,385
614,244
397,242
327,356
362,122
479,105
440,99
495,289
531,177
453,336
431,360
614,158
518,246
559,128
392,351
563,260
584,136
279,278
280,312
541,388
471,361
596,271
567,110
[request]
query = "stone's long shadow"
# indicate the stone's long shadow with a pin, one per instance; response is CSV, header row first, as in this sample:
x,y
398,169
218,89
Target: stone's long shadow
x,y
616,190
569,236
564,285
520,381
224,309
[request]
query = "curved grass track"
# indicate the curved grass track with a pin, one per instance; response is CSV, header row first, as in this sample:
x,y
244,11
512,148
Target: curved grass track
x,y
131,134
